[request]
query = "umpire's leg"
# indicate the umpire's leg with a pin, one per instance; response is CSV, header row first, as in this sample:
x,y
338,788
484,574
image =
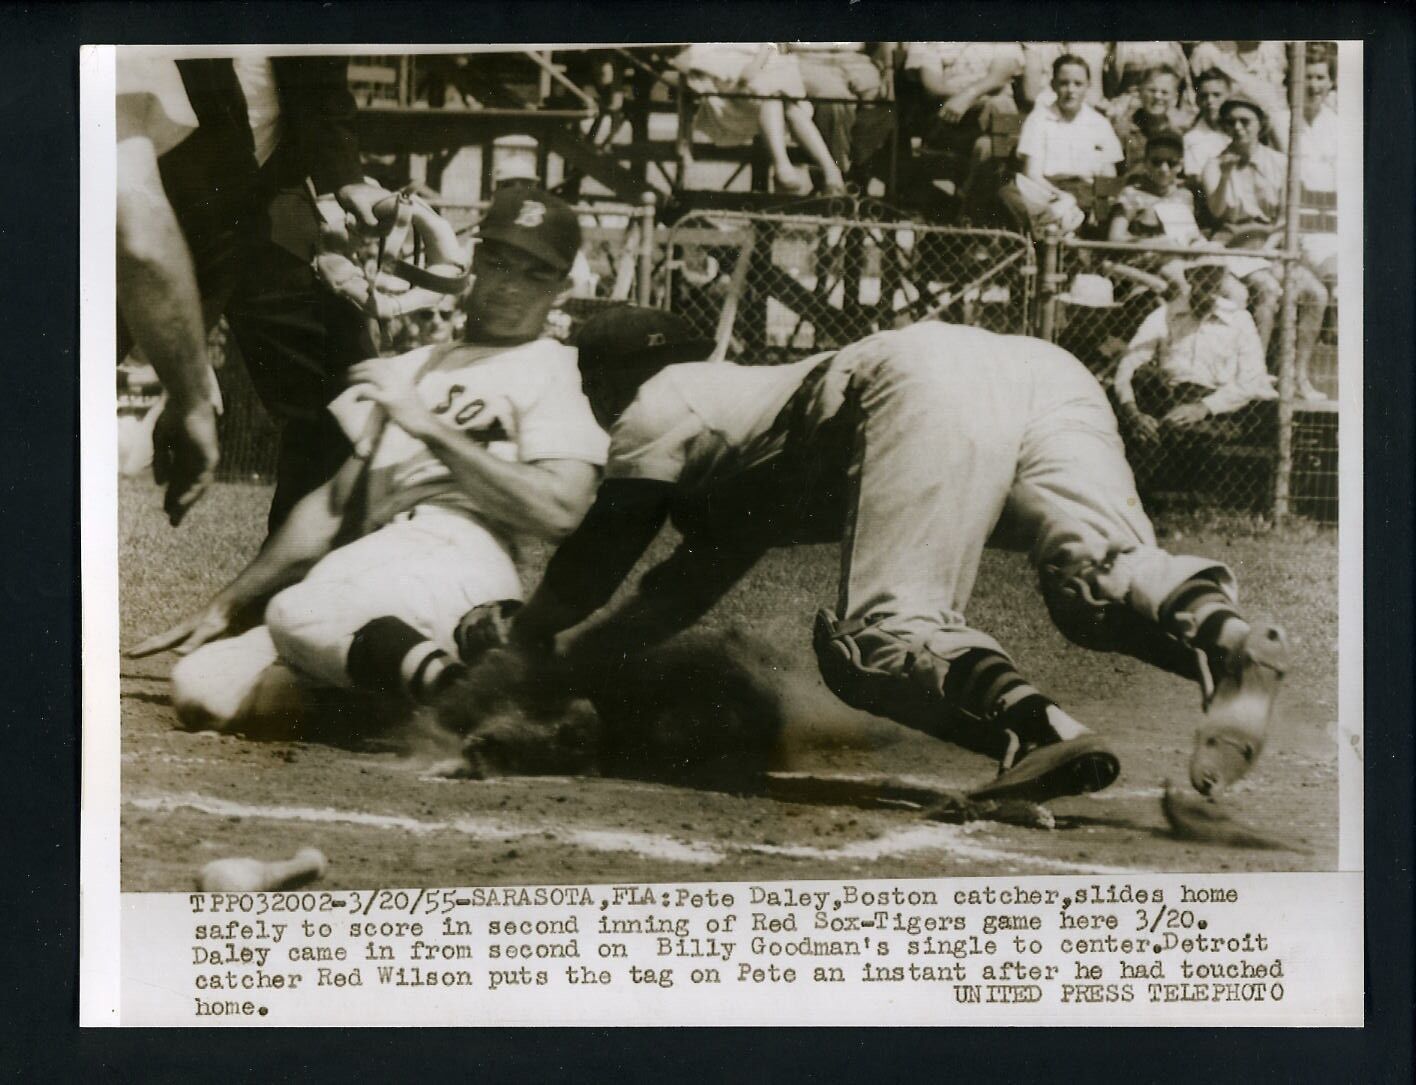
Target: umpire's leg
x,y
297,340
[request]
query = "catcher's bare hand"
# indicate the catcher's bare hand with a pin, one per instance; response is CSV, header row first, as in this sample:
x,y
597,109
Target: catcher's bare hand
x,y
185,452
188,635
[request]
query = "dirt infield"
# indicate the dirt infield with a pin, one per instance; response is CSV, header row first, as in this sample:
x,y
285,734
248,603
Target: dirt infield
x,y
370,806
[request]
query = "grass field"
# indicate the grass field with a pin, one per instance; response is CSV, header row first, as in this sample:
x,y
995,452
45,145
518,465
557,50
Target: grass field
x,y
381,820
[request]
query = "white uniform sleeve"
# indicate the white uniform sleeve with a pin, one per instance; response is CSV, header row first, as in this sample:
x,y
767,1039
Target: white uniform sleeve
x,y
362,420
559,424
651,439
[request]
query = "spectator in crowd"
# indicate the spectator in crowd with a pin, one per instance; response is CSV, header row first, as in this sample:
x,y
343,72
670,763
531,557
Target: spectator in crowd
x,y
1244,187
1039,58
1321,132
779,103
158,298
268,129
1194,371
1130,61
1065,144
1157,205
855,125
1159,110
1207,137
968,85
1258,72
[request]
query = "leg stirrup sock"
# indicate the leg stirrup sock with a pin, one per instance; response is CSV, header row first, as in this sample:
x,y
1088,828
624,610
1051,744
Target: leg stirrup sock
x,y
1203,617
992,700
390,657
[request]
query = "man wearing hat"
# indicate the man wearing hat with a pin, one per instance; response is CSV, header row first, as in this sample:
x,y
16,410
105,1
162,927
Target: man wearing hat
x,y
912,446
458,448
1245,187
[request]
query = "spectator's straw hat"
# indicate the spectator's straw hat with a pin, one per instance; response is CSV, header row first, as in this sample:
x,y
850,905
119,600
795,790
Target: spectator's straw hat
x,y
1236,102
1090,291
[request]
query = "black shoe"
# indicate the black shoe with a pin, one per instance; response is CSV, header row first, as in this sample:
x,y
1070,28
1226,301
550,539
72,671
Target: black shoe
x,y
1075,766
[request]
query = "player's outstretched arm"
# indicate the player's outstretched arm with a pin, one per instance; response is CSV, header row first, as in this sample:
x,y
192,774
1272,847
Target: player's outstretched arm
x,y
595,560
306,536
671,597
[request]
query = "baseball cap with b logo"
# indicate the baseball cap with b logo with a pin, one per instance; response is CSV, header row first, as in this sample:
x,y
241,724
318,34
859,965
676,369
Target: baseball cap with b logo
x,y
533,221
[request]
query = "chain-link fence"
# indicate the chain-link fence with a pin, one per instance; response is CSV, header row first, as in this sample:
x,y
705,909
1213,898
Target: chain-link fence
x,y
1121,310
770,288
1139,316
774,287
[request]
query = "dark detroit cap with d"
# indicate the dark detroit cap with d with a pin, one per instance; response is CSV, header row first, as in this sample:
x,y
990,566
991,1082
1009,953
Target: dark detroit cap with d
x,y
533,221
636,335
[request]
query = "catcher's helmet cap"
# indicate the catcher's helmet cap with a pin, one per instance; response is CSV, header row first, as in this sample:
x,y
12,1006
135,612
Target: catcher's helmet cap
x,y
534,221
632,335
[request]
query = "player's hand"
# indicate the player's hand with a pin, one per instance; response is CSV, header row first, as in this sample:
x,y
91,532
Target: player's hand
x,y
956,106
187,636
1187,414
185,452
394,389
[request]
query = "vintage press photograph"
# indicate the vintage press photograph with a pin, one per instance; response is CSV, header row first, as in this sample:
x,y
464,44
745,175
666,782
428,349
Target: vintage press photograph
x,y
730,462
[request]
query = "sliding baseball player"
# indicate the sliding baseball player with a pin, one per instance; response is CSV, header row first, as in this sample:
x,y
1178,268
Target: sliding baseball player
x,y
458,448
914,447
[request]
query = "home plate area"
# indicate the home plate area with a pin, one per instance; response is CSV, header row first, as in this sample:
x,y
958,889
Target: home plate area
x,y
852,796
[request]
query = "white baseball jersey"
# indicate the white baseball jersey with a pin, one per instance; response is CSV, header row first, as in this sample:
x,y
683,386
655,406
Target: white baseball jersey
x,y
427,556
523,402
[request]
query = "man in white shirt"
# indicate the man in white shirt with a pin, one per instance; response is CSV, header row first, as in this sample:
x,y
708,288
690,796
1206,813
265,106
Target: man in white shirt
x,y
1207,137
457,449
911,447
1193,359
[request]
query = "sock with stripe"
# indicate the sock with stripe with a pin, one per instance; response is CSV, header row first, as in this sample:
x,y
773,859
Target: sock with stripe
x,y
389,656
1203,616
987,692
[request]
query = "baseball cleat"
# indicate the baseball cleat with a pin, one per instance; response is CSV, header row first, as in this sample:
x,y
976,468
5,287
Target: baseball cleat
x,y
1074,766
1239,708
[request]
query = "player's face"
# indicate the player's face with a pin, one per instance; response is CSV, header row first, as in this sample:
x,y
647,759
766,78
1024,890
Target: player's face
x,y
1211,96
512,293
1070,85
1158,95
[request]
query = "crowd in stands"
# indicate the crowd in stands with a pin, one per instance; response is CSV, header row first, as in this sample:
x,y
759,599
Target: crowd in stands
x,y
1181,143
